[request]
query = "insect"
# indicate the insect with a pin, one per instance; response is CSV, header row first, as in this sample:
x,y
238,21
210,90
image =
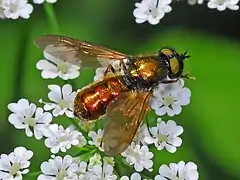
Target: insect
x,y
121,99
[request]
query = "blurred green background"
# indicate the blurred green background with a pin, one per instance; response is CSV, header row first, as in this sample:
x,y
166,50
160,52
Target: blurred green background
x,y
211,123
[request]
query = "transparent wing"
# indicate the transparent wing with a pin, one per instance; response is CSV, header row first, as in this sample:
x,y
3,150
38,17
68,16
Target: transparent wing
x,y
123,118
78,52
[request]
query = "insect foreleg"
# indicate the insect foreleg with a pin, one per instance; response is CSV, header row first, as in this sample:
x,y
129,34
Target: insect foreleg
x,y
123,66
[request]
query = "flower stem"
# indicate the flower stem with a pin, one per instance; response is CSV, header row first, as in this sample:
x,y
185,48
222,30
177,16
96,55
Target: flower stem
x,y
128,166
33,174
49,10
116,173
86,156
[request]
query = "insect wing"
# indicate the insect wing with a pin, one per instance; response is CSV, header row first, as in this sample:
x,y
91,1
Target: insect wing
x,y
123,117
78,52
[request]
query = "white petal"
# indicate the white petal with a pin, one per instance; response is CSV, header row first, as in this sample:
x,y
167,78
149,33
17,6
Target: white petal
x,y
55,94
28,132
17,121
154,20
46,65
26,11
19,106
177,141
165,171
38,1
176,108
170,148
138,167
46,74
149,140
124,178
48,168
66,91
44,177
74,74
135,176
158,177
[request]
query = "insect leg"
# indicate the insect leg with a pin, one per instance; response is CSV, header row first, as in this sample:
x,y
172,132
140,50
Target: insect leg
x,y
110,69
147,119
123,66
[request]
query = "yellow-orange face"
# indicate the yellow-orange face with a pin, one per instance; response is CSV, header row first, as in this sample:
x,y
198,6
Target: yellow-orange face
x,y
174,61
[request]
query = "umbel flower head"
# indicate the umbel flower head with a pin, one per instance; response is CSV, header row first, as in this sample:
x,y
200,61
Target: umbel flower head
x,y
59,168
27,116
90,162
14,165
61,139
165,135
62,100
153,11
169,98
13,9
53,67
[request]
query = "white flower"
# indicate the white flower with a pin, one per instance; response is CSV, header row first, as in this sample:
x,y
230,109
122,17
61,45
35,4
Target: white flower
x,y
2,16
139,156
59,168
14,9
99,172
180,171
81,170
52,67
96,139
82,140
192,2
15,164
99,168
151,10
140,135
221,5
29,117
42,1
109,160
169,98
165,135
134,176
61,139
62,98
99,74
95,160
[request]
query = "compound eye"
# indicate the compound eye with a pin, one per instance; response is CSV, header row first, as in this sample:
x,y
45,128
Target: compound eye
x,y
167,52
174,65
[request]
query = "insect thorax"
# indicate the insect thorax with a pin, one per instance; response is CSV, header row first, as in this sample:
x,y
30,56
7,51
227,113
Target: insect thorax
x,y
145,72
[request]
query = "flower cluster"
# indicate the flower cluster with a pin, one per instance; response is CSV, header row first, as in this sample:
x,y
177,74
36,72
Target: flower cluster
x,y
154,10
14,165
14,9
90,161
146,10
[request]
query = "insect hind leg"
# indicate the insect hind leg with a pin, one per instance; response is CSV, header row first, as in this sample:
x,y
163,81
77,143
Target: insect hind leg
x,y
147,120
